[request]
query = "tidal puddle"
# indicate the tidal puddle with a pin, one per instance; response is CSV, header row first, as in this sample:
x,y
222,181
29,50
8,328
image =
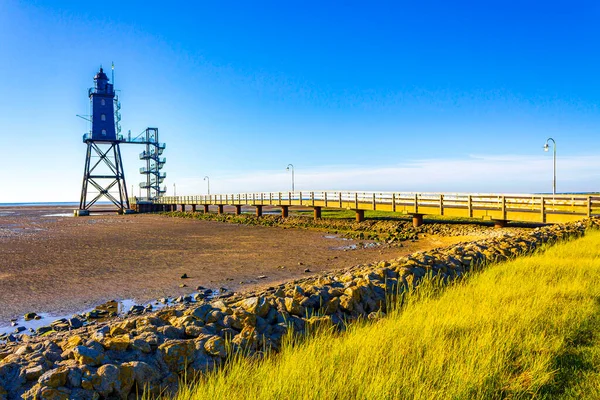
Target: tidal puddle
x,y
353,246
335,237
357,246
59,215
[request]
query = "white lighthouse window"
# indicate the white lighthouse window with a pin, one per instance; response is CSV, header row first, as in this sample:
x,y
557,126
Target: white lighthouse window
x,y
103,117
102,102
104,132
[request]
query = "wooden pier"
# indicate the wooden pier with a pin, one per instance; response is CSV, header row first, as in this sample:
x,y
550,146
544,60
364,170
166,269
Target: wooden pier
x,y
499,208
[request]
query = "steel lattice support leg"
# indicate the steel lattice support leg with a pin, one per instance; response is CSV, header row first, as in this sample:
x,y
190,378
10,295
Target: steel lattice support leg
x,y
112,161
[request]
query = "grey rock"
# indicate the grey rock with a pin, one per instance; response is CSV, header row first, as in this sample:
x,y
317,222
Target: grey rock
x,y
75,322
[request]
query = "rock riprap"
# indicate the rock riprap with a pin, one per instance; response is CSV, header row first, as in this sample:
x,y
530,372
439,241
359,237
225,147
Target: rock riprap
x,y
125,356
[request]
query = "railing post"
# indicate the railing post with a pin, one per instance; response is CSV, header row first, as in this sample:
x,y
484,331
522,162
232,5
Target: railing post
x,y
374,202
279,198
441,204
290,198
340,195
356,200
470,205
416,203
589,206
270,198
325,193
312,198
393,202
300,198
543,208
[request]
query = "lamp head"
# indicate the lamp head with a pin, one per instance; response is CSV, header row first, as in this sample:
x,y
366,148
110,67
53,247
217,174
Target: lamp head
x,y
546,147
287,168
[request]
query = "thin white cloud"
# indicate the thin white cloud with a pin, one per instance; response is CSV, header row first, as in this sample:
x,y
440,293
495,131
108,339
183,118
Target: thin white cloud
x,y
477,173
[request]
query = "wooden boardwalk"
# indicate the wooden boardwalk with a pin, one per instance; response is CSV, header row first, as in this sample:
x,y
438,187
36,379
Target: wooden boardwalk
x,y
497,207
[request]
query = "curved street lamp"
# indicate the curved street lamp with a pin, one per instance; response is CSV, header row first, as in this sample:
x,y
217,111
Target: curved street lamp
x,y
546,147
207,179
287,169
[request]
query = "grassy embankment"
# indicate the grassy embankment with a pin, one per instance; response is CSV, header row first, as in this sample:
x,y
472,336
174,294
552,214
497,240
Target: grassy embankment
x,y
529,328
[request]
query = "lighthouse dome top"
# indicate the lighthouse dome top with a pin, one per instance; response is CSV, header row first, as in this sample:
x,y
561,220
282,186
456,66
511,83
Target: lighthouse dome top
x,y
101,75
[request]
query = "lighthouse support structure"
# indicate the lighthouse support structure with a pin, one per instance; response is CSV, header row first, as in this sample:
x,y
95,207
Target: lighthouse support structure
x,y
103,176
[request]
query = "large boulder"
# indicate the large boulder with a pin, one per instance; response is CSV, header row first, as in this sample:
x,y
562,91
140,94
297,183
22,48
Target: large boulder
x,y
113,380
88,356
176,354
256,305
55,377
145,377
216,346
293,307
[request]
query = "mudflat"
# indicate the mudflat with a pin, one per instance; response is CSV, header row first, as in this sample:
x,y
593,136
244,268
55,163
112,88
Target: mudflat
x,y
53,263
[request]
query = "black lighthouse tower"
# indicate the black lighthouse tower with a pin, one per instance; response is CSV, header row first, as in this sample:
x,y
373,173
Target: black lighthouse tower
x,y
103,175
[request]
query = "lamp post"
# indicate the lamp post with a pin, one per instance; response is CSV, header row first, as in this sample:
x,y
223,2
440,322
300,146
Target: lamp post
x,y
288,168
207,179
546,147
174,190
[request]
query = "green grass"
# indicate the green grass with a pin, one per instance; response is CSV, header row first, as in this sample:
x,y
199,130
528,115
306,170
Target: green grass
x,y
350,214
388,215
529,328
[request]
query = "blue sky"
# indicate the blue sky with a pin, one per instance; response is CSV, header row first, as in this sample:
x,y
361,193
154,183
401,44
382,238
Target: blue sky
x,y
403,96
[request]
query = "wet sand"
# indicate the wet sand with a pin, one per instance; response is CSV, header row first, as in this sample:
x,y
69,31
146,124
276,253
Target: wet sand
x,y
58,264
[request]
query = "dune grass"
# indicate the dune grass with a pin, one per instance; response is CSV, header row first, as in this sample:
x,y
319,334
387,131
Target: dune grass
x,y
529,328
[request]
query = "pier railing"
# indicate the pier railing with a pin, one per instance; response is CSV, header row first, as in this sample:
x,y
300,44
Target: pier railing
x,y
503,207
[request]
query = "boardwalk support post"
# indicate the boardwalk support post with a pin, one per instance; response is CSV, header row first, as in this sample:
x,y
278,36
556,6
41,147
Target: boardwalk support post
x,y
193,208
183,208
360,215
206,209
238,210
259,211
285,211
417,220
317,213
220,209
500,223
